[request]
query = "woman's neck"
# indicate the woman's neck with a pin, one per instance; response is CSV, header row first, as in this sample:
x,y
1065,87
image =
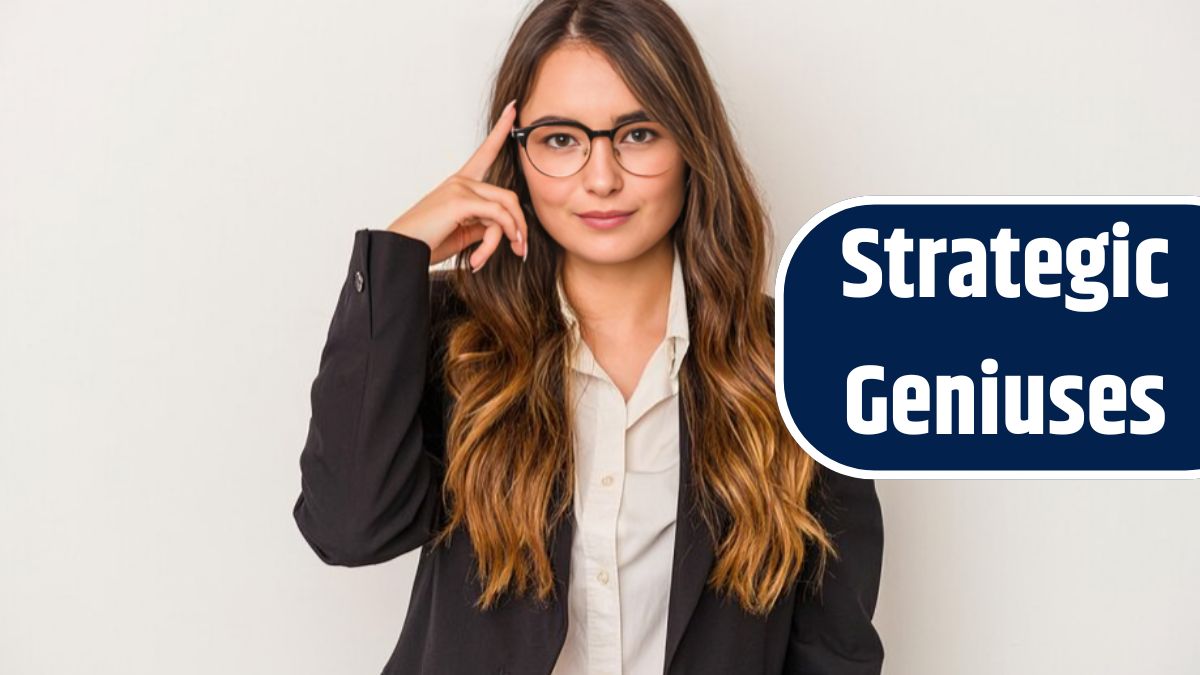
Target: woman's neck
x,y
615,298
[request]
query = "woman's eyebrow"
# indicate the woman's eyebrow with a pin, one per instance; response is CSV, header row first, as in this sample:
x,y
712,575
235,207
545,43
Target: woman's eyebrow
x,y
635,116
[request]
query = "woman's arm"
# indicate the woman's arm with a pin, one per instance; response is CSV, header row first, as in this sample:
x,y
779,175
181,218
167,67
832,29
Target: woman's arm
x,y
371,464
832,633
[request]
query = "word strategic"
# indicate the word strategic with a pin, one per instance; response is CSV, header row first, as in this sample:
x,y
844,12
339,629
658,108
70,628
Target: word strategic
x,y
1044,259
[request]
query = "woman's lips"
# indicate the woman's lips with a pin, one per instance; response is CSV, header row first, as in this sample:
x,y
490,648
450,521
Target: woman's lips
x,y
604,220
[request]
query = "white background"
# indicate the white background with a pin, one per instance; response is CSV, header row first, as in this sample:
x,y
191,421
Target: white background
x,y
179,187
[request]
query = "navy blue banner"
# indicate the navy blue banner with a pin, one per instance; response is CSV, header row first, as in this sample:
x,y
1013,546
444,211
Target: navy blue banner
x,y
993,336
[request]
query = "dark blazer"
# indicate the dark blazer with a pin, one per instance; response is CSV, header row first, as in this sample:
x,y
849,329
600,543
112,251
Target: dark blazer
x,y
371,473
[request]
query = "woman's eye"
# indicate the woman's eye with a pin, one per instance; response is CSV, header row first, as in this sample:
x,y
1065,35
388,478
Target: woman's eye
x,y
559,140
641,135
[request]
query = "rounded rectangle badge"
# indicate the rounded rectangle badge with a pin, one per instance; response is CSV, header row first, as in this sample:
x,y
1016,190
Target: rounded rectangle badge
x,y
993,337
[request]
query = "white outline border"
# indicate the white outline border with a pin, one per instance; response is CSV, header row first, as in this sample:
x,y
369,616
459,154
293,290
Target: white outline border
x,y
935,200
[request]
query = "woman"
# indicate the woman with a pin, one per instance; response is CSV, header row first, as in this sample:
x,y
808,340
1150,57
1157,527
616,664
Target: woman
x,y
581,432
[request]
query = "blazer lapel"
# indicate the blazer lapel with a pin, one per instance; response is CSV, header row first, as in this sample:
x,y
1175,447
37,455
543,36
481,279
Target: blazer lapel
x,y
560,562
693,547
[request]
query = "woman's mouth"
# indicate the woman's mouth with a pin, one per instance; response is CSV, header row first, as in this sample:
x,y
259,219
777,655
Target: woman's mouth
x,y
603,220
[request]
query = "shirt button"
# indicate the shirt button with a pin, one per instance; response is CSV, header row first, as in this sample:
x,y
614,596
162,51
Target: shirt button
x,y
603,577
606,481
358,281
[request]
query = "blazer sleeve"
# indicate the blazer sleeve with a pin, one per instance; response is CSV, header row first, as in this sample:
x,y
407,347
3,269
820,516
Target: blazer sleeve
x,y
832,633
371,466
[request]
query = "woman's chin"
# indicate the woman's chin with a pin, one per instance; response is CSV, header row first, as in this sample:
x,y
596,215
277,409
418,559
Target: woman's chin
x,y
610,250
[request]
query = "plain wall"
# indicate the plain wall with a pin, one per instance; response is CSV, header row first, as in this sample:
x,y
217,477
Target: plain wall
x,y
179,187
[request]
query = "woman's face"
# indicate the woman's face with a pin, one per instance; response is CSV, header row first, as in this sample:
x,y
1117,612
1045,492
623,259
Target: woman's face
x,y
576,82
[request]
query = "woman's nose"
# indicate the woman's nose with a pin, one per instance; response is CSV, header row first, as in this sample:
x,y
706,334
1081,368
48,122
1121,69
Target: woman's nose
x,y
602,173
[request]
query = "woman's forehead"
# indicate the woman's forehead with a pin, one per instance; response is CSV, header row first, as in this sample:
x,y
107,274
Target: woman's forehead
x,y
578,82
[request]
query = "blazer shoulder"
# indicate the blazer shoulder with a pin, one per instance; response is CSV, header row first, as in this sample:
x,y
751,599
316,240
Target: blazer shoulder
x,y
769,309
769,301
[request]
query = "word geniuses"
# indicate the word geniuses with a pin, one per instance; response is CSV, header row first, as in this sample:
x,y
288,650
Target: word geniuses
x,y
1108,399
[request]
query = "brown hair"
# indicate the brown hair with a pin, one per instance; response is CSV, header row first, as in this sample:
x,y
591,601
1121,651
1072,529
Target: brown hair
x,y
510,467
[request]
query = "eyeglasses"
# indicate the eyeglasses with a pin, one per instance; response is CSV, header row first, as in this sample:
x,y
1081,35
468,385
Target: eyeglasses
x,y
561,148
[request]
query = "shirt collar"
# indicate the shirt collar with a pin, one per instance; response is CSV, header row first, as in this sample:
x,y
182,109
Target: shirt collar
x,y
677,321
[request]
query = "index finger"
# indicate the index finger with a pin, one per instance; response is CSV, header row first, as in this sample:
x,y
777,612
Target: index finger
x,y
477,166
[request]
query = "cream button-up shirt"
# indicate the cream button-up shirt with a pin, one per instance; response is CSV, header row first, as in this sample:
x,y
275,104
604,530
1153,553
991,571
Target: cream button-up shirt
x,y
626,494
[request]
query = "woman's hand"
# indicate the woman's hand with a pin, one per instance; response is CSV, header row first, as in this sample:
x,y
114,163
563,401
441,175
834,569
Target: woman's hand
x,y
463,209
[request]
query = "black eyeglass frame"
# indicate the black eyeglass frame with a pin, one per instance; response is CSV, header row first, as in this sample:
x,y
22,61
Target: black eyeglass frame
x,y
522,137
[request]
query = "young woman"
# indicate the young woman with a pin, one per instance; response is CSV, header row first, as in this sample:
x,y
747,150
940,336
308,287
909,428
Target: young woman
x,y
580,431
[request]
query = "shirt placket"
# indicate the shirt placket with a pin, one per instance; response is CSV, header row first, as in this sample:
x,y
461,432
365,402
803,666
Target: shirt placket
x,y
602,510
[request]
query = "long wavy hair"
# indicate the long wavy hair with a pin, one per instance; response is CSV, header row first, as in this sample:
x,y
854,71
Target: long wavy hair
x,y
509,460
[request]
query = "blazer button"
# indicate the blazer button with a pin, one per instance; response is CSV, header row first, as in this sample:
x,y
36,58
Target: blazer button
x,y
358,281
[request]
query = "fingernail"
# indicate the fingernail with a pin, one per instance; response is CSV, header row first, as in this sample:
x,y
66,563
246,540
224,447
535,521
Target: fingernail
x,y
510,104
476,269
